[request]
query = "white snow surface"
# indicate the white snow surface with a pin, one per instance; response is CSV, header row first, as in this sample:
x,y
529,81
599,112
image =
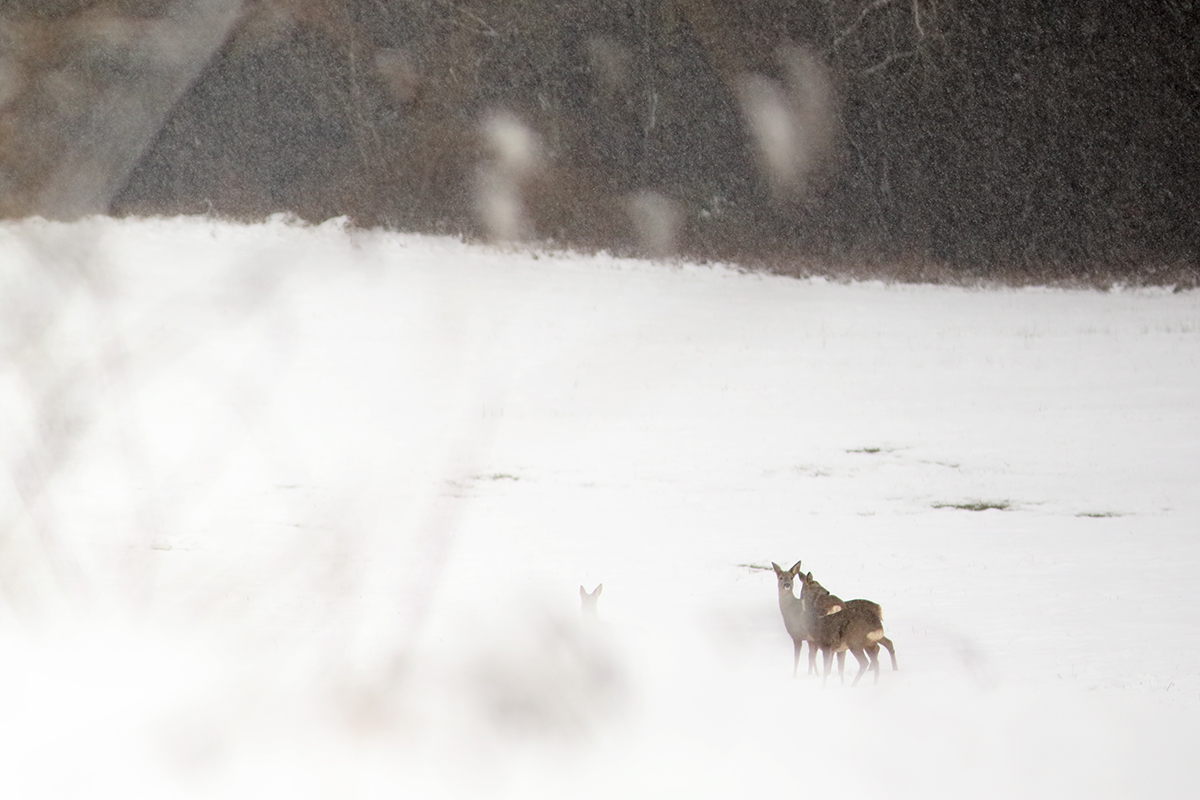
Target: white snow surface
x,y
299,512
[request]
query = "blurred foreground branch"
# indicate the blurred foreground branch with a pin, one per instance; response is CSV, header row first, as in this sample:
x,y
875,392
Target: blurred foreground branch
x,y
83,94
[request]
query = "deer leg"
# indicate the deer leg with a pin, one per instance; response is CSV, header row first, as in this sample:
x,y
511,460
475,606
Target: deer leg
x,y
827,656
797,644
886,642
863,663
874,654
842,666
812,659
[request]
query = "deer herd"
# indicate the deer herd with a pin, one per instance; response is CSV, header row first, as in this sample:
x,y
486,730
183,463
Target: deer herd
x,y
828,623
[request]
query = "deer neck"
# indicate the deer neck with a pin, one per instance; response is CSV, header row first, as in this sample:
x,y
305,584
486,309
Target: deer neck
x,y
793,612
810,612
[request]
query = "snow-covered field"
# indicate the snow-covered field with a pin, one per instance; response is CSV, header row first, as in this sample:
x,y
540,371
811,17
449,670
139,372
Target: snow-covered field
x,y
303,512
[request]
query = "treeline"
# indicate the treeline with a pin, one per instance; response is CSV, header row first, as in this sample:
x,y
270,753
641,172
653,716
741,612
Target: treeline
x,y
1014,140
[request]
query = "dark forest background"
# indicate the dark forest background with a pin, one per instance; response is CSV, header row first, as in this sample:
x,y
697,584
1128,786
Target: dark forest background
x,y
1037,141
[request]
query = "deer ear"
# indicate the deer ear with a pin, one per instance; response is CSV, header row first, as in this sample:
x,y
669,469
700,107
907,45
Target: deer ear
x,y
778,569
795,570
599,589
808,577
582,591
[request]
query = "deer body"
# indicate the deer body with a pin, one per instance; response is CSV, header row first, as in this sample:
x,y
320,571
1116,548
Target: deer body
x,y
856,631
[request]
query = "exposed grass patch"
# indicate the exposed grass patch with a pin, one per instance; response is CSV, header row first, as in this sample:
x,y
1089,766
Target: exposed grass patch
x,y
812,472
463,486
977,505
946,464
1099,514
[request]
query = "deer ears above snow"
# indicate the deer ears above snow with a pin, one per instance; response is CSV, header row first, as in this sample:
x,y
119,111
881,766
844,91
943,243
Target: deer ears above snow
x,y
594,593
795,570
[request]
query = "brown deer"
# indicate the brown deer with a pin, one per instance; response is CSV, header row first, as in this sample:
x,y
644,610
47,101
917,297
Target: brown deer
x,y
835,626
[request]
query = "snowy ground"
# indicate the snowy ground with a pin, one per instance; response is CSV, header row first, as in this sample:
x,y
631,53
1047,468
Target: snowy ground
x,y
304,512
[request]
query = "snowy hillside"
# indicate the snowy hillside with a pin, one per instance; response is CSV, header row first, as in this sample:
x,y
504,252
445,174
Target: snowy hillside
x,y
304,512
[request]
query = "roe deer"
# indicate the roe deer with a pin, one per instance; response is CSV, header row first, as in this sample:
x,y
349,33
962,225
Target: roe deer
x,y
854,626
794,618
587,600
828,603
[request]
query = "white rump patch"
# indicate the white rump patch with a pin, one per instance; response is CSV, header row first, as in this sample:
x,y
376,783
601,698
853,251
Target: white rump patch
x,y
875,636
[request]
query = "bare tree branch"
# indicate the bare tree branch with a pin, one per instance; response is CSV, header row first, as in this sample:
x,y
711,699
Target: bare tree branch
x,y
862,15
483,26
887,62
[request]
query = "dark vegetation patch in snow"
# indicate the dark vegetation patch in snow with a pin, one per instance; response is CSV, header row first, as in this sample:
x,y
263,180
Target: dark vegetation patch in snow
x,y
977,505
